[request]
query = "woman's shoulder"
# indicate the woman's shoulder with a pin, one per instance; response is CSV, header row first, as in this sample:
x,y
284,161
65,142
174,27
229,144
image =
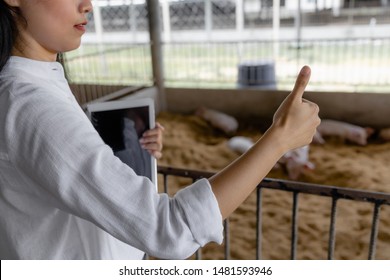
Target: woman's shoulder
x,y
25,90
25,77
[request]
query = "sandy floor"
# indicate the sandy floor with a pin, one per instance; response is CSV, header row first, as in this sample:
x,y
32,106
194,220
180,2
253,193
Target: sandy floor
x,y
189,142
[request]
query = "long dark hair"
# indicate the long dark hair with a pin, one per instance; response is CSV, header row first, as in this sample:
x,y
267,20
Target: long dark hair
x,y
8,31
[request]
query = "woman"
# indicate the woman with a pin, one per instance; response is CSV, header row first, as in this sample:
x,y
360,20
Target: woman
x,y
64,195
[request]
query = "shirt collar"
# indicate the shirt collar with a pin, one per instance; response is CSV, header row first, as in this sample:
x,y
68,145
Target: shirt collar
x,y
40,69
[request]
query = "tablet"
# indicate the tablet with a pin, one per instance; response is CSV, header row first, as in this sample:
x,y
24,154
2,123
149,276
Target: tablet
x,y
121,124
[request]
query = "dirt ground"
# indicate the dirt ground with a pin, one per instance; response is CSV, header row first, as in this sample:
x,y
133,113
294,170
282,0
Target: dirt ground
x,y
190,142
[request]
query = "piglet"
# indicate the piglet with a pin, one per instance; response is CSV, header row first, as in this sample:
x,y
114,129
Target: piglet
x,y
222,121
384,134
346,131
317,138
240,144
296,161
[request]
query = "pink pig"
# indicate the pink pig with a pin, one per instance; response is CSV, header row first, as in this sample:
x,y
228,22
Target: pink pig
x,y
346,131
240,144
296,161
384,134
317,138
222,121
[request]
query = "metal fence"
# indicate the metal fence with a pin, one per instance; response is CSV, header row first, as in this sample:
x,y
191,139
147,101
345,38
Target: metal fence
x,y
359,65
125,15
377,200
119,64
204,42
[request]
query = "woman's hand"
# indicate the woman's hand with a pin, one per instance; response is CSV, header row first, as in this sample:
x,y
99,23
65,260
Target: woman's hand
x,y
296,118
152,140
293,126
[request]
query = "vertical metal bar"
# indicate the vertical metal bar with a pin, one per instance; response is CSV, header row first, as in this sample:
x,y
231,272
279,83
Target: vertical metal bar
x,y
198,253
298,27
227,238
239,16
294,226
276,29
99,30
165,183
133,20
351,12
374,232
166,20
258,224
156,50
332,229
208,21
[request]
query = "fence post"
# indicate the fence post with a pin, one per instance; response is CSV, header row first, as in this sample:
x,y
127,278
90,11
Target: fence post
x,y
97,16
239,17
208,13
133,20
276,27
166,21
156,50
351,11
298,26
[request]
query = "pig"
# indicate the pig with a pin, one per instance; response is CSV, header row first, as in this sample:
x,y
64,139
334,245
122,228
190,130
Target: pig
x,y
384,134
296,161
345,131
222,121
317,138
240,144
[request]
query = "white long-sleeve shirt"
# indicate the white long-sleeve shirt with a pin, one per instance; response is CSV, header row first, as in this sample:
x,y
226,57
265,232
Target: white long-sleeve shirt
x,y
64,195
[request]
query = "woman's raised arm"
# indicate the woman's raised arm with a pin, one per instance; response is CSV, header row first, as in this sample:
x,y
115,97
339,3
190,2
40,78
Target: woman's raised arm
x,y
294,125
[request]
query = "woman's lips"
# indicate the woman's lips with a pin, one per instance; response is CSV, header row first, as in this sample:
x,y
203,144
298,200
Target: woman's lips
x,y
80,26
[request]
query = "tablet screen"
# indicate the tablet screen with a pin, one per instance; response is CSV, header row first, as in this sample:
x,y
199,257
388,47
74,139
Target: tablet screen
x,y
121,125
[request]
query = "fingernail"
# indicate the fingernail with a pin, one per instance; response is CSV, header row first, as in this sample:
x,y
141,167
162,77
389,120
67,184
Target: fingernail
x,y
305,70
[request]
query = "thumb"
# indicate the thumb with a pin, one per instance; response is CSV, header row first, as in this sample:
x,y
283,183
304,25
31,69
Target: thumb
x,y
301,83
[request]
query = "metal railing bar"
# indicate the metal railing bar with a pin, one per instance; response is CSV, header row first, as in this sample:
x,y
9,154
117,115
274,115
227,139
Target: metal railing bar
x,y
271,41
332,229
193,174
294,226
259,222
335,193
110,50
226,225
198,253
374,232
278,184
165,183
328,191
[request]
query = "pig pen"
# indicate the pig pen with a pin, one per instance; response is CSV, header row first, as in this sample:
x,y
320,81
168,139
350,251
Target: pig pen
x,y
191,143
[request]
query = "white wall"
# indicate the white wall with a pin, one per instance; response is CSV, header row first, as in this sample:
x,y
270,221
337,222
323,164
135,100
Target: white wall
x,y
365,109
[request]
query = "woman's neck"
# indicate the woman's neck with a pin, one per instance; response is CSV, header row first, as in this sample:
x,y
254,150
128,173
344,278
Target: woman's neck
x,y
32,52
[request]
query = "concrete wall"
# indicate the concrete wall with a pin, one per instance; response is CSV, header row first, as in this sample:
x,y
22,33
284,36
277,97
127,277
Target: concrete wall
x,y
365,109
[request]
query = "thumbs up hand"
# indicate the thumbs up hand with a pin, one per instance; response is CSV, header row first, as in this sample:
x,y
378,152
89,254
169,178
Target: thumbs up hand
x,y
296,118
